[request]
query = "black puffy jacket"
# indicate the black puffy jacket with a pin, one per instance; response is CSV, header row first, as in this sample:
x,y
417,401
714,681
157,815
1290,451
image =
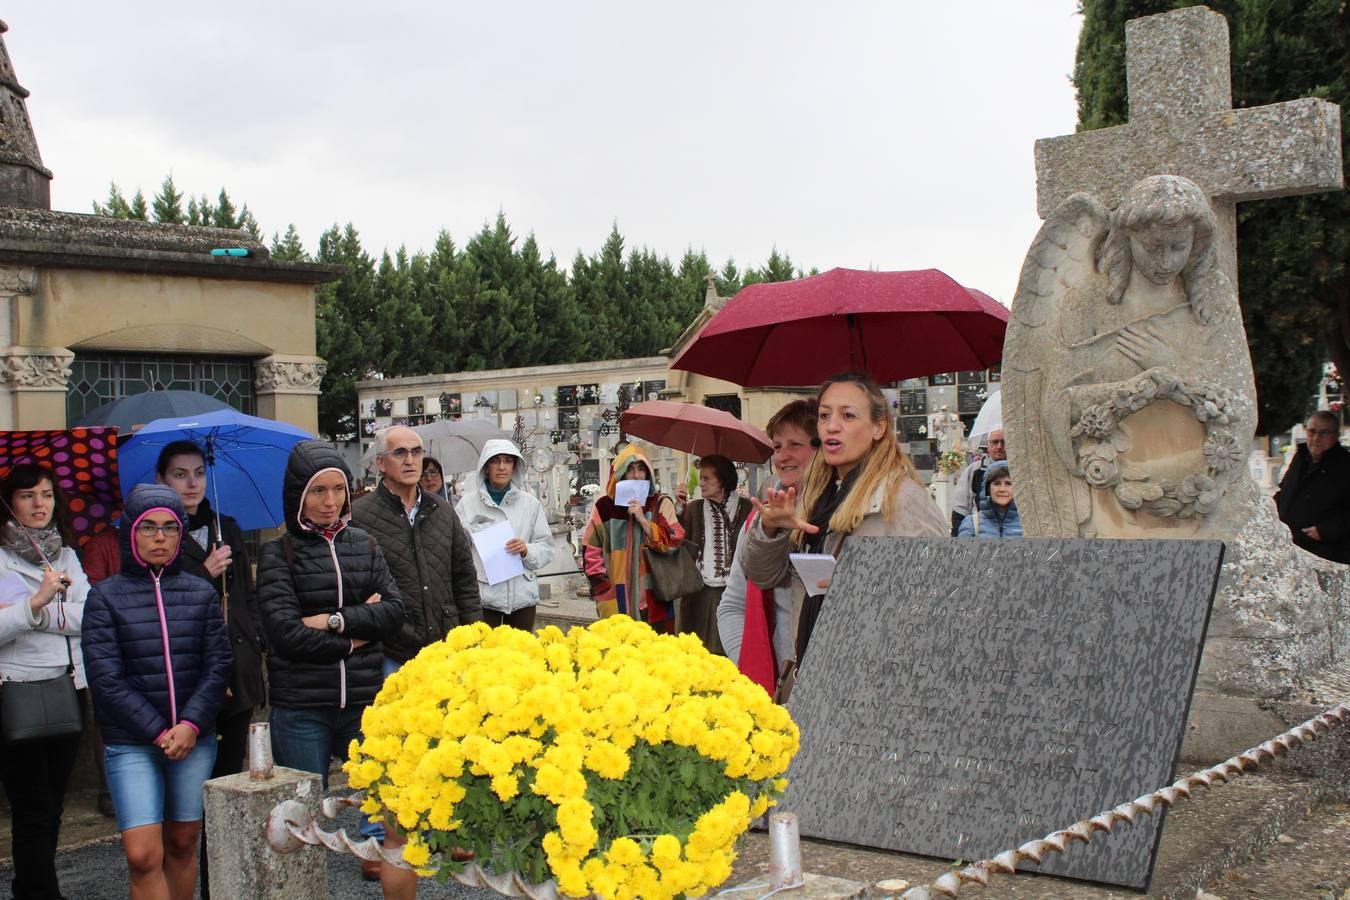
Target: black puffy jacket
x,y
305,573
242,616
156,651
432,561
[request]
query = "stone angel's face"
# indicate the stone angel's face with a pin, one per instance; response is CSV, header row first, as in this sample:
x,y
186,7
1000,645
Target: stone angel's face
x,y
1160,251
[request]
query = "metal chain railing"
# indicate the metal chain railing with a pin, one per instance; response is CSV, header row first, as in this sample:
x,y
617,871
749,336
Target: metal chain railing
x,y
1035,851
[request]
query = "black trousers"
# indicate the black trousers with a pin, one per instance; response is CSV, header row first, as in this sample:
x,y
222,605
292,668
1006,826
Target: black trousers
x,y
522,618
35,775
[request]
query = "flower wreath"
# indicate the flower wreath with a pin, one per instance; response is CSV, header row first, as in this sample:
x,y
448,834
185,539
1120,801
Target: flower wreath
x,y
1098,440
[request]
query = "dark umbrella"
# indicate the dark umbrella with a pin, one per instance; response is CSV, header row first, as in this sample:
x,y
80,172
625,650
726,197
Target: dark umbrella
x,y
84,463
700,430
131,413
891,325
245,459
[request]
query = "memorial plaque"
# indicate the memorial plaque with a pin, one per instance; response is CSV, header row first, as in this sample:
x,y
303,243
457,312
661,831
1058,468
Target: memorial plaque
x,y
962,697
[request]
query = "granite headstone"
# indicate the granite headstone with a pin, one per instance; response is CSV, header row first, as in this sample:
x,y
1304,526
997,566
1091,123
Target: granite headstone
x,y
962,697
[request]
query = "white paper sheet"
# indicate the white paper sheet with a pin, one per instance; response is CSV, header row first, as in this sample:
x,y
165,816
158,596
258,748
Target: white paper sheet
x,y
632,489
498,565
813,568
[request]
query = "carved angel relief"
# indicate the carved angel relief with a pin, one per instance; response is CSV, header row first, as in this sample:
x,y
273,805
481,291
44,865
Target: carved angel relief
x,y
1128,392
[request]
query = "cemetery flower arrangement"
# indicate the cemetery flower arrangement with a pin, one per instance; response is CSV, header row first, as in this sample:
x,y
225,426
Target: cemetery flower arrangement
x,y
616,761
950,462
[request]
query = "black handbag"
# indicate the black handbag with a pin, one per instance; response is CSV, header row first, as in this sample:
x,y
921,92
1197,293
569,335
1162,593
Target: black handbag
x,y
674,575
38,710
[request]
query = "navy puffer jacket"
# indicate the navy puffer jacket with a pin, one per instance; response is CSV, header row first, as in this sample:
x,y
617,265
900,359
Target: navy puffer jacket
x,y
156,650
307,572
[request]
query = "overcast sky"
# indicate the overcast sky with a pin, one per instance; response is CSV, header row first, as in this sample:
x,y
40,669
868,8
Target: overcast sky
x,y
893,134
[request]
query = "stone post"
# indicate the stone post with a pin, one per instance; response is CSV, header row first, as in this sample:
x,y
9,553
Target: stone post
x,y
241,862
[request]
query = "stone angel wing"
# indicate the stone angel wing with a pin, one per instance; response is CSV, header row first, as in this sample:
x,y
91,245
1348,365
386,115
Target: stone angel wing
x,y
1052,502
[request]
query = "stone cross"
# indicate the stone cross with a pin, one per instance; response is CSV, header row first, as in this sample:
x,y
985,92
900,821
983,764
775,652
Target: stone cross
x,y
1182,123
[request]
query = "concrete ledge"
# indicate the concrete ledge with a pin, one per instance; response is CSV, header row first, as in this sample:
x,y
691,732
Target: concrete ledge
x,y
1202,839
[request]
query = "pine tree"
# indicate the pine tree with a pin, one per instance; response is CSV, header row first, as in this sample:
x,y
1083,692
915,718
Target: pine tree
x,y
289,246
225,215
201,211
168,203
345,313
138,208
117,206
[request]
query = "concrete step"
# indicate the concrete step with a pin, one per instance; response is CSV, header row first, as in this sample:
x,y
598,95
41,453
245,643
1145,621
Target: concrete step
x,y
1310,859
1204,840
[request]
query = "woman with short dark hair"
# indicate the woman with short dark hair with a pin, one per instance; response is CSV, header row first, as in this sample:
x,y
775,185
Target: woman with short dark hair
x,y
712,524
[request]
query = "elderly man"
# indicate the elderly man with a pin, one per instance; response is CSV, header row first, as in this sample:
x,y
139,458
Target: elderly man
x,y
971,479
431,558
1314,495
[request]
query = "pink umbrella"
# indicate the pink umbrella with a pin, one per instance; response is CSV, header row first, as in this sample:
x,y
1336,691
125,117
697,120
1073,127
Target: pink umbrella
x,y
891,325
700,430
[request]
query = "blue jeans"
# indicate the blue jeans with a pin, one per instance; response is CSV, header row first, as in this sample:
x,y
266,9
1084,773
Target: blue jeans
x,y
147,787
306,739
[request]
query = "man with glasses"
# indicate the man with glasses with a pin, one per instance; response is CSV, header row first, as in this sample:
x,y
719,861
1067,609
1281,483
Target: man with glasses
x,y
431,558
1314,495
968,483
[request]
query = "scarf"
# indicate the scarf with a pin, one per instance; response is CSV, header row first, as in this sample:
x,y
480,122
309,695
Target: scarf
x,y
201,525
827,504
16,540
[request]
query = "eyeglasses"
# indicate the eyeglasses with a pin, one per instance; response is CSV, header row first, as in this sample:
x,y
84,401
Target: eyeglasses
x,y
1323,432
150,529
426,472
403,453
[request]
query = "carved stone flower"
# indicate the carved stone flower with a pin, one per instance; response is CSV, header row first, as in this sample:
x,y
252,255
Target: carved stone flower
x,y
1099,471
1095,422
1222,452
1130,494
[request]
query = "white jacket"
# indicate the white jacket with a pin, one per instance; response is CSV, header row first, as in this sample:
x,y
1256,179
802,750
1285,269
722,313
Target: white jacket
x,y
34,647
528,522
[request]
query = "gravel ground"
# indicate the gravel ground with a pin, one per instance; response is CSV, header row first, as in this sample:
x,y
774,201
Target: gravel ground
x,y
98,871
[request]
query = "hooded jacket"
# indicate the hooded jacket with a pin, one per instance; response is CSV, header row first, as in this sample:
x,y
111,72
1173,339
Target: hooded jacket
x,y
524,513
992,522
156,649
306,572
431,561
613,545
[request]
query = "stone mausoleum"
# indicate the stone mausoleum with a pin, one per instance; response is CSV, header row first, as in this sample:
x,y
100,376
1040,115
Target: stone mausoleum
x,y
94,308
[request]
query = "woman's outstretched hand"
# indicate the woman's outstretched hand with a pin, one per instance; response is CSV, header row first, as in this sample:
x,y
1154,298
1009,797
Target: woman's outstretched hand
x,y
778,511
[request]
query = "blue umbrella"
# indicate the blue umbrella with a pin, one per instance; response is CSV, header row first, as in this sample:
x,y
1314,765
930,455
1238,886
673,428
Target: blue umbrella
x,y
245,460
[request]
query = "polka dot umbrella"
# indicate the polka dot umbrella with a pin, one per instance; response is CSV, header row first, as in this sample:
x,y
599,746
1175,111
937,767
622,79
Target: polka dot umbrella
x,y
84,462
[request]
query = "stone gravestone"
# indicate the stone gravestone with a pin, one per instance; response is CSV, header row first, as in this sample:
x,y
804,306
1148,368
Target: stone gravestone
x,y
962,697
1129,399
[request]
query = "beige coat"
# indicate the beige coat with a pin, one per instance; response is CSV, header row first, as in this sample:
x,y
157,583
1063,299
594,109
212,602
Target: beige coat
x,y
766,558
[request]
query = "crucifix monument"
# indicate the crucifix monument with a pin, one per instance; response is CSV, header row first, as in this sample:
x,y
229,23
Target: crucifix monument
x,y
1129,401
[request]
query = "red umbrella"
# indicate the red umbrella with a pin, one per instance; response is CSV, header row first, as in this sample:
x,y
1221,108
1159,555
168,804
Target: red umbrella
x,y
84,461
891,325
700,430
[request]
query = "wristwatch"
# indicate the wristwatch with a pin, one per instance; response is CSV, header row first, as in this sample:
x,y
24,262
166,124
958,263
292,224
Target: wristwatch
x,y
335,622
